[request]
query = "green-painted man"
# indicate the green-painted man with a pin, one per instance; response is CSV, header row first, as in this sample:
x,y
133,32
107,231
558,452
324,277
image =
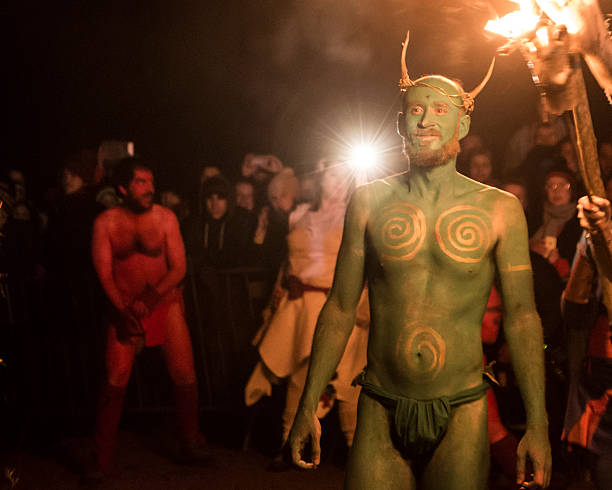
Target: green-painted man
x,y
429,242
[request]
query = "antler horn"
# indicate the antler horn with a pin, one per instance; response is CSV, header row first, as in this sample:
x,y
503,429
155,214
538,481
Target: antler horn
x,y
478,89
405,80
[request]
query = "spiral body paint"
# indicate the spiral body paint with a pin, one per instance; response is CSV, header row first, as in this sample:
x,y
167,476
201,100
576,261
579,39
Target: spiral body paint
x,y
464,233
424,352
401,230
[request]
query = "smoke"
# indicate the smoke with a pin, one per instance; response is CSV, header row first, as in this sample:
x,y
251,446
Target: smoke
x,y
332,29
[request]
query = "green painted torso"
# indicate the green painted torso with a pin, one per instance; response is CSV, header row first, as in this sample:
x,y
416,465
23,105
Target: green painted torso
x,y
429,265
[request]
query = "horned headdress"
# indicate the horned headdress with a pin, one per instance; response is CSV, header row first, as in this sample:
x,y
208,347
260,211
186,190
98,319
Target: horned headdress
x,y
467,98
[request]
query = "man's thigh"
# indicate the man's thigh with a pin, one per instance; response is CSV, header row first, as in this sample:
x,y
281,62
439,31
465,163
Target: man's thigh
x,y
177,347
119,359
374,463
461,461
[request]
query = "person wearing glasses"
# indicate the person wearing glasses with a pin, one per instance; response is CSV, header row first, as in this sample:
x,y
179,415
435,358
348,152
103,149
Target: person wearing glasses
x,y
559,229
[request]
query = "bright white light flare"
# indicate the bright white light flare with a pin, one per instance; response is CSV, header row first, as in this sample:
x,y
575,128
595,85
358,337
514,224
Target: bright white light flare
x,y
363,157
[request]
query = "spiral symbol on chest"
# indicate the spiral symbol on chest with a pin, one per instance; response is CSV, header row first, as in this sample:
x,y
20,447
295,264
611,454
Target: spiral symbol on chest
x,y
464,233
401,230
424,352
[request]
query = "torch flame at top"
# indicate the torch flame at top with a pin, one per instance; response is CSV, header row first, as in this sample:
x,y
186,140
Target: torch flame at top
x,y
516,23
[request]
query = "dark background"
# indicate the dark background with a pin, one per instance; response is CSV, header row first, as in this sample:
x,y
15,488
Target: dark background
x,y
197,83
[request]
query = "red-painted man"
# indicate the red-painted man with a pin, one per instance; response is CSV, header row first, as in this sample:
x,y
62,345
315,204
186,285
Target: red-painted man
x,y
139,257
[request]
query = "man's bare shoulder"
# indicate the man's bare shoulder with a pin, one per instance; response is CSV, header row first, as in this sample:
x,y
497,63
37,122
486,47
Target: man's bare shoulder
x,y
108,216
163,214
378,190
486,193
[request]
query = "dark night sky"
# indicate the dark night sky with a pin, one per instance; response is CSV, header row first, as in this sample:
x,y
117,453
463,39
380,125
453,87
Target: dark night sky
x,y
195,83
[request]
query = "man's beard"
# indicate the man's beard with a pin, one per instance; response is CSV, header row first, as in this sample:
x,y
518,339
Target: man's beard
x,y
136,205
422,156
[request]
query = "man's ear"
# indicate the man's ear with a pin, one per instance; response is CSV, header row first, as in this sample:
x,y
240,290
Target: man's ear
x,y
122,190
464,125
401,124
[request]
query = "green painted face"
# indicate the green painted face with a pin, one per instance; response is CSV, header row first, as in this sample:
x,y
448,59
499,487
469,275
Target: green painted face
x,y
432,124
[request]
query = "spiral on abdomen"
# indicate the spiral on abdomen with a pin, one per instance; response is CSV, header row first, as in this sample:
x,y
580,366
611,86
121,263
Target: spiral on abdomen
x,y
401,230
464,233
424,352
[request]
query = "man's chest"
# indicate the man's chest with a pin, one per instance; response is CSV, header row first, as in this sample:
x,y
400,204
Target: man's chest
x,y
136,236
456,236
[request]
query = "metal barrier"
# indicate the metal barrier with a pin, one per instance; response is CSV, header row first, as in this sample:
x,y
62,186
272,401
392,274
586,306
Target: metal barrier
x,y
53,343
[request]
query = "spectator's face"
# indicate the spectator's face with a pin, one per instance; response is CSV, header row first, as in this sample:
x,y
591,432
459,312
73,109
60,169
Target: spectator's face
x,y
545,136
216,206
244,196
519,191
558,191
470,143
480,168
282,201
569,155
170,199
141,189
71,183
209,172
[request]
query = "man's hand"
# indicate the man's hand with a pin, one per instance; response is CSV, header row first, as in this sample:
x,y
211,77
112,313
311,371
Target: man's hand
x,y
535,445
539,247
306,428
139,309
594,214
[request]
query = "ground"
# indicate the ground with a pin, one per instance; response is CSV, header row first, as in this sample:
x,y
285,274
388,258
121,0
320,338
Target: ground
x,y
144,461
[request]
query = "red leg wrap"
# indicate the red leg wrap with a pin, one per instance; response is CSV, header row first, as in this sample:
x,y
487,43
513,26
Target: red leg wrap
x,y
186,403
107,421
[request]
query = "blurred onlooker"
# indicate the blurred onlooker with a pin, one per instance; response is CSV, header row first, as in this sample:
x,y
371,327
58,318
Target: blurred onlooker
x,y
545,134
245,195
588,418
222,236
273,220
605,158
23,225
74,299
68,237
470,144
207,173
559,228
480,167
569,155
517,188
307,188
284,343
109,154
260,169
173,201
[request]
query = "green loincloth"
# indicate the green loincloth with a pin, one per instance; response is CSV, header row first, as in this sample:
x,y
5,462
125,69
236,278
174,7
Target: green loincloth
x,y
420,424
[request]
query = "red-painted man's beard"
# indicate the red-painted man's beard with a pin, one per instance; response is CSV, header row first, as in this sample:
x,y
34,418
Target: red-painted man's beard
x,y
140,204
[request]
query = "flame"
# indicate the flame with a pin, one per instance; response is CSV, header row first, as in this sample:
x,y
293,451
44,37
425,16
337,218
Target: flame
x,y
562,14
517,23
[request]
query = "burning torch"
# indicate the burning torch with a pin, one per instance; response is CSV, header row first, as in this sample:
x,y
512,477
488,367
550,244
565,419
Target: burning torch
x,y
552,36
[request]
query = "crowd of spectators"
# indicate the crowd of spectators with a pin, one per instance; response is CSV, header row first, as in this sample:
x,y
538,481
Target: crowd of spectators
x,y
243,222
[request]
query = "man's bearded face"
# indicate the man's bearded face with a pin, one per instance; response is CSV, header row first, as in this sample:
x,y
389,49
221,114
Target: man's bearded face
x,y
431,124
140,192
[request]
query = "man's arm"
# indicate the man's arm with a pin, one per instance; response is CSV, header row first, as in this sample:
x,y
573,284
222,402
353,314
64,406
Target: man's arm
x,y
334,327
523,332
102,255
